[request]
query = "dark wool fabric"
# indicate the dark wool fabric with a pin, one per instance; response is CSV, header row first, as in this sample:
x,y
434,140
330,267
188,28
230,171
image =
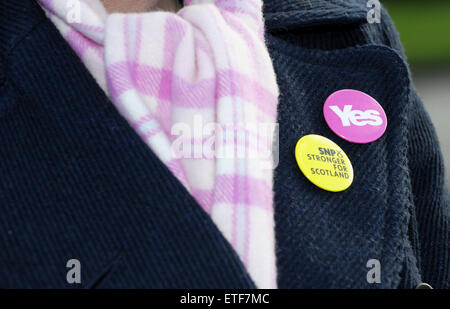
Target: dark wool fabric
x,y
76,182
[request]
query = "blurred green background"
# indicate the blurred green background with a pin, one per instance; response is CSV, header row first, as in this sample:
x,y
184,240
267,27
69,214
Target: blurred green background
x,y
424,28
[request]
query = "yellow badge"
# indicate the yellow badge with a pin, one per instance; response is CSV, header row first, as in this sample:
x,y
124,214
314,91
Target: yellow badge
x,y
324,163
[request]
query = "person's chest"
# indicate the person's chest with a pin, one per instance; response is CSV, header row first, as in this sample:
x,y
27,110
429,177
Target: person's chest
x,y
79,184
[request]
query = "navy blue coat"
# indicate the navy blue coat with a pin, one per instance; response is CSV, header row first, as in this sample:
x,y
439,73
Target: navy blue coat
x,y
76,182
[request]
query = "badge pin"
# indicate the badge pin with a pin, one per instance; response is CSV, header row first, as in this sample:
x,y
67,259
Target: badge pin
x,y
355,116
324,163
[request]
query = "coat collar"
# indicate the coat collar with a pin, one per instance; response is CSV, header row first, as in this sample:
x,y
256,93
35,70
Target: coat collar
x,y
290,14
279,15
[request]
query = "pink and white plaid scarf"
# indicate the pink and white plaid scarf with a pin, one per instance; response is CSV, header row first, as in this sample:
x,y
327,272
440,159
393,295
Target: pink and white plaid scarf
x,y
203,73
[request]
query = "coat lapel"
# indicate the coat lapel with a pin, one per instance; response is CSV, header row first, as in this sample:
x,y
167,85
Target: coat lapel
x,y
86,187
324,239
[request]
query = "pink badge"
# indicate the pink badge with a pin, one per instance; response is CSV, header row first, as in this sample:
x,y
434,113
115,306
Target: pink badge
x,y
355,116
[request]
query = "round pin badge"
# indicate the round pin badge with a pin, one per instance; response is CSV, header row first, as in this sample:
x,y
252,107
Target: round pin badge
x,y
324,163
355,116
